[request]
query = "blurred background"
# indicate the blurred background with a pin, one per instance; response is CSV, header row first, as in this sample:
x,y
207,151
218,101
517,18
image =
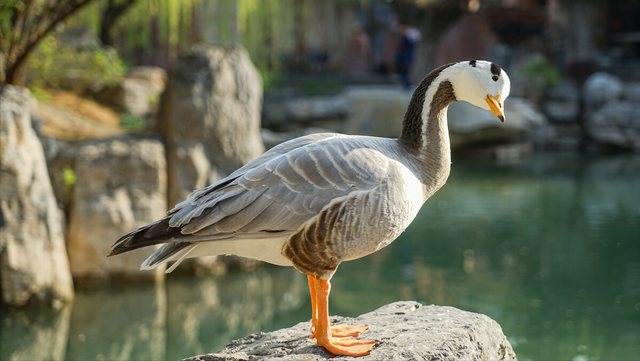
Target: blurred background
x,y
112,111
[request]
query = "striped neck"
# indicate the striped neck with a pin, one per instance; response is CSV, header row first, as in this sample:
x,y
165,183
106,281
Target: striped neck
x,y
424,122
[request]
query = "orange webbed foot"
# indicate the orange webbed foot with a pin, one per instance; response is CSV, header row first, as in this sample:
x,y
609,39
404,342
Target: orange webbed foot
x,y
343,331
348,346
346,331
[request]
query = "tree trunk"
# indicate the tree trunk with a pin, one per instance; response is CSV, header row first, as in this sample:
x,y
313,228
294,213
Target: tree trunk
x,y
109,18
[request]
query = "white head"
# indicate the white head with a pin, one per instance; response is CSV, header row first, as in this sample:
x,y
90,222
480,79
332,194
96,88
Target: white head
x,y
481,83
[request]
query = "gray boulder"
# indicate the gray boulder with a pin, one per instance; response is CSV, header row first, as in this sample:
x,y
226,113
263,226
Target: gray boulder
x,y
632,92
563,103
33,258
376,111
469,124
289,113
210,117
405,330
601,88
617,123
139,91
271,138
120,185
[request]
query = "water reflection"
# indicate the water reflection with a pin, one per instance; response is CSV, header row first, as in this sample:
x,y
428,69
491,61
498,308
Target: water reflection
x,y
119,324
206,314
34,335
549,248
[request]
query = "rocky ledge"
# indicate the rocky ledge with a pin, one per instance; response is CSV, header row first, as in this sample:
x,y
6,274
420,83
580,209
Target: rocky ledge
x,y
405,330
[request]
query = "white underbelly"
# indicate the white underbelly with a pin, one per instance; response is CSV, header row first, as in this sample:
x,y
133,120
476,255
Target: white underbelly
x,y
267,250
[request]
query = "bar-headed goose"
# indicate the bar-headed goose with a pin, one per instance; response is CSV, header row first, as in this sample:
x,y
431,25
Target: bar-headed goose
x,y
318,200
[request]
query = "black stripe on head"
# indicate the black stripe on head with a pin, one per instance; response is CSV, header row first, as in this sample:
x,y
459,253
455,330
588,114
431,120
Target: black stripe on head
x,y
495,69
412,124
472,63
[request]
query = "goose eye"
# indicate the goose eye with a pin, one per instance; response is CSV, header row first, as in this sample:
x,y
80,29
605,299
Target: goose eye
x,y
495,78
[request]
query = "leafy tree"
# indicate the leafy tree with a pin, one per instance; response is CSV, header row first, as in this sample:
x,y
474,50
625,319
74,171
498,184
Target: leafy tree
x,y
23,24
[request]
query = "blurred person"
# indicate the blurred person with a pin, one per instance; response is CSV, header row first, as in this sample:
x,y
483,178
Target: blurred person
x,y
405,53
358,52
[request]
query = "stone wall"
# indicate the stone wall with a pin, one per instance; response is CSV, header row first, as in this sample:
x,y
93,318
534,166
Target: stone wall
x,y
33,258
120,185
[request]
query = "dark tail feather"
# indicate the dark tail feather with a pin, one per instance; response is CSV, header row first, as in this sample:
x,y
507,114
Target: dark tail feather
x,y
154,233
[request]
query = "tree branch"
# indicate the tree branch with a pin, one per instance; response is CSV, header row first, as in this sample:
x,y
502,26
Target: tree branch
x,y
44,23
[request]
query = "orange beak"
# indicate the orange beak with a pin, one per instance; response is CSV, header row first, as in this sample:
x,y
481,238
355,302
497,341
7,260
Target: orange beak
x,y
495,106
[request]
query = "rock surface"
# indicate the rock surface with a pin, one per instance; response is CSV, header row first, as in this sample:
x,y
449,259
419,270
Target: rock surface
x,y
120,186
601,88
378,112
271,138
616,123
210,117
138,92
405,330
469,124
304,110
33,258
563,103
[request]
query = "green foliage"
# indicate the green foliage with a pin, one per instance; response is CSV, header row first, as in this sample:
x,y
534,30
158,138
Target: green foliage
x,y
69,178
55,64
540,73
153,98
40,94
131,122
171,20
270,79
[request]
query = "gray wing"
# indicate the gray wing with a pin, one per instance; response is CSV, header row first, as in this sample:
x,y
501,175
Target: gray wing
x,y
281,191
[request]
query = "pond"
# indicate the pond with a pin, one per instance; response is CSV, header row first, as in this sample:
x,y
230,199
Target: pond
x,y
548,247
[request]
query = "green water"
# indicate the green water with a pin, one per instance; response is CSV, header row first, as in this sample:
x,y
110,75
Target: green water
x,y
548,247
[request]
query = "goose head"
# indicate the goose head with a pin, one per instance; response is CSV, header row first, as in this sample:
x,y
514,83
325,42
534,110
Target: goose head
x,y
483,84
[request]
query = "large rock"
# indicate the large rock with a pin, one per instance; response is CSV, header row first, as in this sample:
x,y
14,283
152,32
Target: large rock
x,y
33,258
288,114
563,103
120,186
376,111
601,88
210,117
617,123
632,91
469,124
405,330
271,138
138,92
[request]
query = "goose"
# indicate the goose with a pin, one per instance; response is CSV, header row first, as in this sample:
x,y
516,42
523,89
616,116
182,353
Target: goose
x,y
322,199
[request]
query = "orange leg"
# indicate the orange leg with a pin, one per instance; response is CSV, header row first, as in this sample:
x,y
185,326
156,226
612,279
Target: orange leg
x,y
314,312
337,330
323,332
